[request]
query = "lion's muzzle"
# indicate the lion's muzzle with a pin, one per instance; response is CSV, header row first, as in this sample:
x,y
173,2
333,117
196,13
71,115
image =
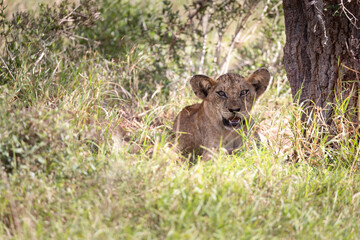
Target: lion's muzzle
x,y
233,122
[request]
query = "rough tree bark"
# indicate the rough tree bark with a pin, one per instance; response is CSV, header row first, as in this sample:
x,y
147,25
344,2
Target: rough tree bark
x,y
322,52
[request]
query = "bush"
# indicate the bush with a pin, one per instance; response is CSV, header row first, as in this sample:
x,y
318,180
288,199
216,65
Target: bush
x,y
35,140
34,44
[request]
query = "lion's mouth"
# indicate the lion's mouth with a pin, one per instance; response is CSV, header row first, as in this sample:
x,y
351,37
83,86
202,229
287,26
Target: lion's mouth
x,y
233,122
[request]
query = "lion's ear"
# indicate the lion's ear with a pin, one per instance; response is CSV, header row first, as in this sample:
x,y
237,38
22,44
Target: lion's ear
x,y
260,80
201,85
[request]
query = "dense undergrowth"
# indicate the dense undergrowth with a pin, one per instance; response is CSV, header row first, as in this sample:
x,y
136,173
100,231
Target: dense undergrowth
x,y
88,93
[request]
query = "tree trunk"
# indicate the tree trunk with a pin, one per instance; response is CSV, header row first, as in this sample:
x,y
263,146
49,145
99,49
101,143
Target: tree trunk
x,y
322,52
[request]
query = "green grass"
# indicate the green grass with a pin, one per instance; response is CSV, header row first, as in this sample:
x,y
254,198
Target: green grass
x,y
84,155
251,196
118,193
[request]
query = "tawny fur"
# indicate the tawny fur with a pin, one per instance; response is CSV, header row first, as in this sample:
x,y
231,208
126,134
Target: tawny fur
x,y
217,120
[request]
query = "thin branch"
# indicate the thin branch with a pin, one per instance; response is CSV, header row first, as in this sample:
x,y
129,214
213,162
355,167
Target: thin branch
x,y
218,48
203,4
240,25
205,35
319,6
353,20
8,69
68,17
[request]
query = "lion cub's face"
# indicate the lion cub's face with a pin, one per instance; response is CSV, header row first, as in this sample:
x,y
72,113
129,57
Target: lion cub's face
x,y
231,97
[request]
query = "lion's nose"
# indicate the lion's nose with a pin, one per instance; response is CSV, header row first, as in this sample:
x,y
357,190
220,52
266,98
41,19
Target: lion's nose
x,y
234,110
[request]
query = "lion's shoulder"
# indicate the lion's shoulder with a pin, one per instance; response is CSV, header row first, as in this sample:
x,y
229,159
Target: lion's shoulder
x,y
187,118
192,109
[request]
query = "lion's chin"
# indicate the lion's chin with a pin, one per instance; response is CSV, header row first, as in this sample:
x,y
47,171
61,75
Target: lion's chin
x,y
233,123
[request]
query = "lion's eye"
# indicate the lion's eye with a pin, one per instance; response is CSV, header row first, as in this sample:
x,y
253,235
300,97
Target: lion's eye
x,y
221,93
244,92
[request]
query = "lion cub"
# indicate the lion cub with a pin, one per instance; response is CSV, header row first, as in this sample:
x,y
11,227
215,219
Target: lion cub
x,y
226,104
